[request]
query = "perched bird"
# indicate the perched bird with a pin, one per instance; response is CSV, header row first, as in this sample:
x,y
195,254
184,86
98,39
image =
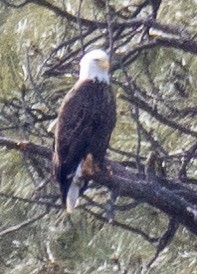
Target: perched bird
x,y
84,125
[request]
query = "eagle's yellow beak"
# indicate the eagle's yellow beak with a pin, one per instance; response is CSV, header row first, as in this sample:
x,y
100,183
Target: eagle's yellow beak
x,y
104,64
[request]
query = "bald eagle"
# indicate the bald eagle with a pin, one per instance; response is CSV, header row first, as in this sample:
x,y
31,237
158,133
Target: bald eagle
x,y
84,125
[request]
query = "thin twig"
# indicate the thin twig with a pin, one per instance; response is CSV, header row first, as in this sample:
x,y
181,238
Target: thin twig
x,y
165,239
30,201
121,225
80,26
139,139
22,224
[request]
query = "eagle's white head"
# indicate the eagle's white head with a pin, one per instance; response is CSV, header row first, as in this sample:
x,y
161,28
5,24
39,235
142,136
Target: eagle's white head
x,y
95,65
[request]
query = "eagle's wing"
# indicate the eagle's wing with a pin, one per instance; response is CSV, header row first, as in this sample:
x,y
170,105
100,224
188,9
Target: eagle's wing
x,y
73,130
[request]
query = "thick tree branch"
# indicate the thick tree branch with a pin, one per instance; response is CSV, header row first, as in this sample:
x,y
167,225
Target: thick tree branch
x,y
186,45
170,197
154,194
25,146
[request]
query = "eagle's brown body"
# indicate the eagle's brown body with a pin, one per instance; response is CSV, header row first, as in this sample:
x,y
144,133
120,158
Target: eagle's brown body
x,y
85,122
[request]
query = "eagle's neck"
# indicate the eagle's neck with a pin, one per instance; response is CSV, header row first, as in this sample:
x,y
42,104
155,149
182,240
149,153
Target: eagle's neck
x,y
94,73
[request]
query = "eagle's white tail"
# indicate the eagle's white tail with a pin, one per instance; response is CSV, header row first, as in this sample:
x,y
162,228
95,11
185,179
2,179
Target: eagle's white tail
x,y
74,190
72,196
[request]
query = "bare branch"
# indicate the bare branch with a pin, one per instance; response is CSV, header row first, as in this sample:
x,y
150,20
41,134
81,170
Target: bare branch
x,y
185,44
58,11
30,201
165,239
154,113
22,224
171,198
188,156
154,194
121,225
25,146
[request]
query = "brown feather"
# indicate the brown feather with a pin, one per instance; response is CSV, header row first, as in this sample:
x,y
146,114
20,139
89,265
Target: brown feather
x,y
85,122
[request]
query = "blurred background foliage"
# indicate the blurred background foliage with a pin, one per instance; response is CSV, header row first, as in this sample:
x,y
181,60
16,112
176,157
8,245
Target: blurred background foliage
x,y
28,36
